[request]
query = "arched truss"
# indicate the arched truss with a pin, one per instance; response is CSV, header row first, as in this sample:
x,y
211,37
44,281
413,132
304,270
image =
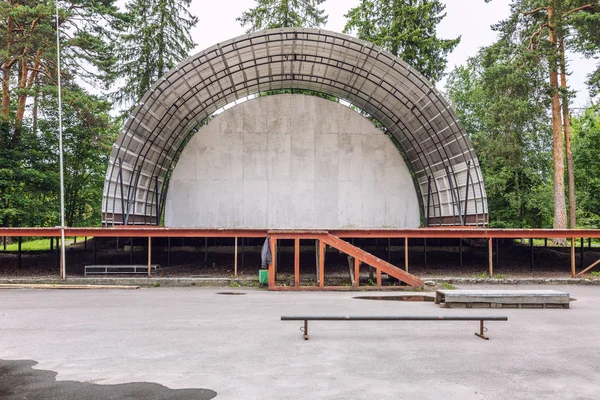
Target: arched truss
x,y
439,154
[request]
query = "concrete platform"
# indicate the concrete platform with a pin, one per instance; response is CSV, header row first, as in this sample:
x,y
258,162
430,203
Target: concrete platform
x,y
502,299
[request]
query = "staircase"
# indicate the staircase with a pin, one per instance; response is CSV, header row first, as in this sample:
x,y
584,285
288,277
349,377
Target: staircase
x,y
325,238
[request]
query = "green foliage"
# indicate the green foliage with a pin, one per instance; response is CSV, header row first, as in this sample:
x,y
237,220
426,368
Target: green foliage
x,y
155,38
448,286
595,273
270,14
501,98
88,134
407,29
586,148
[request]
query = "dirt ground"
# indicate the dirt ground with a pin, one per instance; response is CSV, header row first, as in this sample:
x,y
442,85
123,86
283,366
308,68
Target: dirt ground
x,y
191,258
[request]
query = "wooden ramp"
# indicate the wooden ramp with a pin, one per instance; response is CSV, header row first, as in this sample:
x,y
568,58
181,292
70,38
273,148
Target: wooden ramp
x,y
324,238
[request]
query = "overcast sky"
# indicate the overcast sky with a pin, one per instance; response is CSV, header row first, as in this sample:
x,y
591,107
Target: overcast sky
x,y
470,19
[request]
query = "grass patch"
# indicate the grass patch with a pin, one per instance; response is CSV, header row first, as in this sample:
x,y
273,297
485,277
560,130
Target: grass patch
x,y
499,276
38,244
595,273
448,286
481,275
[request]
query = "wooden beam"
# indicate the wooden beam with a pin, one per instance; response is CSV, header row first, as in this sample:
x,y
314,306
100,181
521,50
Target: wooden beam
x,y
378,277
356,272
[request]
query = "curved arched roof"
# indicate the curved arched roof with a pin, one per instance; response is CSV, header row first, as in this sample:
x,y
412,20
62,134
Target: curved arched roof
x,y
423,125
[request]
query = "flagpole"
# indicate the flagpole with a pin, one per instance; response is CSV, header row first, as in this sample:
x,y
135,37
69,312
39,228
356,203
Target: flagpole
x,y
63,264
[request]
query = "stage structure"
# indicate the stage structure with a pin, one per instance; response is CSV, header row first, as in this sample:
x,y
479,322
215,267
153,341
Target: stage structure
x,y
205,148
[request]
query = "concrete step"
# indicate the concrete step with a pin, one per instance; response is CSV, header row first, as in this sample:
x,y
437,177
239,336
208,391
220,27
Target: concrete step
x,y
502,299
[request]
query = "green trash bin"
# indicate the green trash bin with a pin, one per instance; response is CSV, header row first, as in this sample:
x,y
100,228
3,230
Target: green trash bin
x,y
263,276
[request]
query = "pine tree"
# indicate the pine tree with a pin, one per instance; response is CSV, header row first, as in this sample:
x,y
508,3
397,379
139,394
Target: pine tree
x,y
549,27
28,52
269,14
407,29
156,38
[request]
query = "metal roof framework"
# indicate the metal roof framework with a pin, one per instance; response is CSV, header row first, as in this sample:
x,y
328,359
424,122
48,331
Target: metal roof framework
x,y
414,114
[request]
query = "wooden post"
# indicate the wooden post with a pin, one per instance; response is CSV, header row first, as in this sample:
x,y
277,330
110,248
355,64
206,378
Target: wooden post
x,y
356,272
321,263
235,258
378,276
491,254
149,256
573,273
406,254
297,262
272,243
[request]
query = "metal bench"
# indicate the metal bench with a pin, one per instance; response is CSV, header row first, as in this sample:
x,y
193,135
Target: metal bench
x,y
119,269
306,318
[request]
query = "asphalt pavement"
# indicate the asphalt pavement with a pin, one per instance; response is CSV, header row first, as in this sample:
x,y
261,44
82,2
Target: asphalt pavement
x,y
193,343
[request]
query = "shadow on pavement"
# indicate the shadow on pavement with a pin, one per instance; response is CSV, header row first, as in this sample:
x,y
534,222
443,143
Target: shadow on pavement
x,y
18,380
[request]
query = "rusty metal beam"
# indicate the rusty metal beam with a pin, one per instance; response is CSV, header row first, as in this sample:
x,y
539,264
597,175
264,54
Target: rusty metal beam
x,y
321,263
587,269
429,233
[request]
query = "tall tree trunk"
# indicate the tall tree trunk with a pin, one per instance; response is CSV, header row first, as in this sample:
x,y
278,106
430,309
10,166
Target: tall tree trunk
x,y
560,208
6,67
21,101
568,146
5,94
35,111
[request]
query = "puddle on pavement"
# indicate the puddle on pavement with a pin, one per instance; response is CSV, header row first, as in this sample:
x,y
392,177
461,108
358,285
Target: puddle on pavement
x,y
19,380
231,293
397,298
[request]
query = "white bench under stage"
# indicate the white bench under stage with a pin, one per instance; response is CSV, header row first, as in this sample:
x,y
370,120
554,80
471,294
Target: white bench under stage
x,y
119,269
502,299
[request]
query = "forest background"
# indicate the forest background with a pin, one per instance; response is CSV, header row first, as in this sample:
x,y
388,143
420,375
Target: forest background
x,y
539,156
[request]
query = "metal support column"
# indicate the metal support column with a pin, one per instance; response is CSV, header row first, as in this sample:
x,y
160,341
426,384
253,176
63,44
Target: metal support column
x,y
573,272
168,252
460,252
491,257
297,262
149,256
321,263
235,258
19,250
581,255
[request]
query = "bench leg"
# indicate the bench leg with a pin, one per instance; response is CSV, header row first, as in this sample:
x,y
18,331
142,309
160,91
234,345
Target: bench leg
x,y
482,329
305,330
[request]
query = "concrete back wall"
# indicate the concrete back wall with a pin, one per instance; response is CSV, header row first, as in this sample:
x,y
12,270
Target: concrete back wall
x,y
291,161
